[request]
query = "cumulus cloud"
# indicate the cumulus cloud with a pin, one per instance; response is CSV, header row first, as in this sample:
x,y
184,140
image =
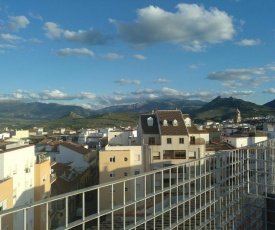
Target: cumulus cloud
x,y
9,37
271,91
248,42
53,31
18,22
191,26
195,66
48,95
127,82
90,36
161,81
140,57
36,16
239,77
112,56
70,52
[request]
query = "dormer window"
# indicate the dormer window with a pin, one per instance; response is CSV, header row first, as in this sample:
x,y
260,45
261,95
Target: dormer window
x,y
150,121
165,123
175,122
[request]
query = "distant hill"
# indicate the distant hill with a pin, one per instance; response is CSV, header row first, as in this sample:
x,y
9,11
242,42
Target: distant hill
x,y
270,104
39,111
20,114
158,104
220,109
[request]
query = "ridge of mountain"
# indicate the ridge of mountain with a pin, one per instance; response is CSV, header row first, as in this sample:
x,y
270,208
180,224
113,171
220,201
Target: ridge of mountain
x,y
17,113
270,104
224,108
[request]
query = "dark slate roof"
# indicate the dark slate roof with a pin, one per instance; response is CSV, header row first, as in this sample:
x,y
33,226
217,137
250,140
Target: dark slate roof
x,y
170,116
149,129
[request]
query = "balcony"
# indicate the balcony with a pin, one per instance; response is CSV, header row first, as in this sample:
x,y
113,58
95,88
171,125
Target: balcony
x,y
167,199
197,142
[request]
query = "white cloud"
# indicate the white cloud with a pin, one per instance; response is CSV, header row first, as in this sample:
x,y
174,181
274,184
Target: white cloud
x,y
53,31
195,66
7,46
140,57
271,91
161,81
48,95
191,26
90,37
248,42
239,77
9,37
36,16
79,52
112,56
18,22
127,82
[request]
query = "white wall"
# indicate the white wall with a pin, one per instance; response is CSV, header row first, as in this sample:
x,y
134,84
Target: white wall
x,y
13,163
67,155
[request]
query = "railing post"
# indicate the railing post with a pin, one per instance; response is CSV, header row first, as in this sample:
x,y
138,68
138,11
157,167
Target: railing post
x,y
218,190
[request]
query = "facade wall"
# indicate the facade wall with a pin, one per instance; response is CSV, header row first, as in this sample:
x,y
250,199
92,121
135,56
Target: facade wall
x,y
67,155
19,164
6,202
121,162
21,134
42,189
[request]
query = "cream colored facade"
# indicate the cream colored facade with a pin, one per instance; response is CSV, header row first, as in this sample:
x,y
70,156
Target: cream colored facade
x,y
21,134
117,162
6,202
42,188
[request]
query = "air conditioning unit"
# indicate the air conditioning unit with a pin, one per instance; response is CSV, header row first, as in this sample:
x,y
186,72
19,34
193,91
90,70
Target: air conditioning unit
x,y
28,170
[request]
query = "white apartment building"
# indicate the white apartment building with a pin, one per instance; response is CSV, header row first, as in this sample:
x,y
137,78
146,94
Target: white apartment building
x,y
241,141
17,162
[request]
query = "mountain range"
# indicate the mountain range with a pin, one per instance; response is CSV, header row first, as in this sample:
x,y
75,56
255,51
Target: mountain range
x,y
18,113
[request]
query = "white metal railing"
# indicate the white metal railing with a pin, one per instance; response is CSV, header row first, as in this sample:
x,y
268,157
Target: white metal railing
x,y
217,192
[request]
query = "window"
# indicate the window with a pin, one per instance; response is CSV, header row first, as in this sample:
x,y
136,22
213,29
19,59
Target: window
x,y
112,174
151,141
3,205
125,174
112,159
175,122
137,157
169,141
125,159
181,140
180,154
192,155
156,155
126,189
165,123
137,171
192,140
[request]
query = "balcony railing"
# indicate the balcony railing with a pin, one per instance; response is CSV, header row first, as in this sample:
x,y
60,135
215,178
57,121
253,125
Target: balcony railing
x,y
207,199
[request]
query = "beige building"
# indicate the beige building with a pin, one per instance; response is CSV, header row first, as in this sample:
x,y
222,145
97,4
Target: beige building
x,y
6,202
164,138
116,162
170,137
43,178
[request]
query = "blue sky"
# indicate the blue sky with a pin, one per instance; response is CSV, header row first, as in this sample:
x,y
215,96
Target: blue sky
x,y
101,53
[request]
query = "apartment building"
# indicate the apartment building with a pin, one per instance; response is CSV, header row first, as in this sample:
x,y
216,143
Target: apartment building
x,y
17,162
117,162
44,177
